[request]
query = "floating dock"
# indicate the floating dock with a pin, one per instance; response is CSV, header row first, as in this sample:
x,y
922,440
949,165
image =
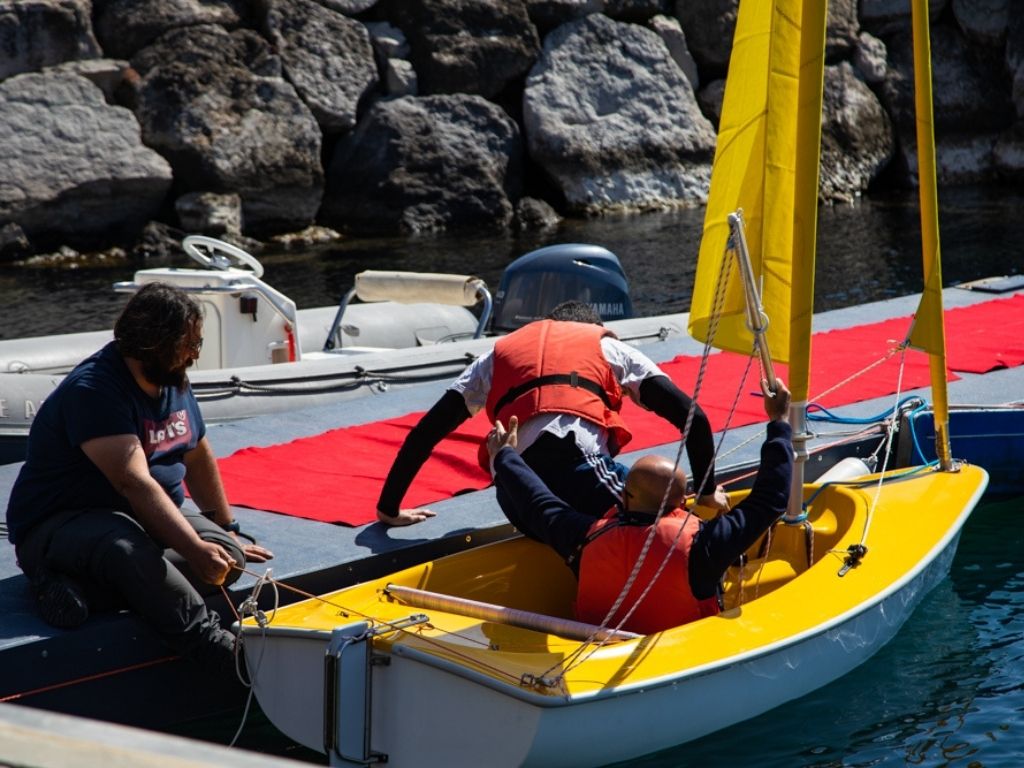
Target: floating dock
x,y
114,669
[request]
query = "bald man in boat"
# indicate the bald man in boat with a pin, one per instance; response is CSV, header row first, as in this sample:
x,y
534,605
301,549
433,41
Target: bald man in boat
x,y
603,553
564,378
95,512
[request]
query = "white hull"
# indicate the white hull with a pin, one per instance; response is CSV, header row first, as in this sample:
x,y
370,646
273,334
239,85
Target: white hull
x,y
626,724
428,712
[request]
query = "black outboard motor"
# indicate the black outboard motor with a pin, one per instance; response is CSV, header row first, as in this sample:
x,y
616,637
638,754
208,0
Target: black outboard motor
x,y
540,280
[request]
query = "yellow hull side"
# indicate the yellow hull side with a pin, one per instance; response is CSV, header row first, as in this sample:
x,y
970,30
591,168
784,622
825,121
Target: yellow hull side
x,y
783,597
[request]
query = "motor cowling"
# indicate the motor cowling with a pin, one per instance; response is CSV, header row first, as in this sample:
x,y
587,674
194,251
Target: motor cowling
x,y
540,280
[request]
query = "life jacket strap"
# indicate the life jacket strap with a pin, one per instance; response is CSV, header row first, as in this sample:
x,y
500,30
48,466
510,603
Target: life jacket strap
x,y
572,379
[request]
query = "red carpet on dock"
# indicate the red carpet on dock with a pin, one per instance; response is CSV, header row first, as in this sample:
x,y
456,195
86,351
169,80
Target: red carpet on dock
x,y
336,476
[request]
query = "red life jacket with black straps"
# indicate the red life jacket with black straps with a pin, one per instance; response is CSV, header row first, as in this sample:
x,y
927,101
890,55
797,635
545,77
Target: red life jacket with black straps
x,y
556,366
611,549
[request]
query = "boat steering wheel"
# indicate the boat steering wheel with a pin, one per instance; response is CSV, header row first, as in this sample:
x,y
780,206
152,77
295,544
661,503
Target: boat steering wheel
x,y
216,254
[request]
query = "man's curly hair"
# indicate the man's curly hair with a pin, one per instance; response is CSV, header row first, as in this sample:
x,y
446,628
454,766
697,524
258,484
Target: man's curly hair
x,y
155,322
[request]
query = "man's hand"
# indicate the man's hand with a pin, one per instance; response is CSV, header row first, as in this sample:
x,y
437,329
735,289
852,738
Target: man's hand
x,y
717,500
498,438
254,553
211,562
776,404
405,517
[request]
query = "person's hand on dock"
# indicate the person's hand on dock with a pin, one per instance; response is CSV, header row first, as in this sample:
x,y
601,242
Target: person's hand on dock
x,y
254,553
405,517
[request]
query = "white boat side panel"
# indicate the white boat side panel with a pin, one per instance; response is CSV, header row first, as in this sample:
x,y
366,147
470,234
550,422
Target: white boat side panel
x,y
288,667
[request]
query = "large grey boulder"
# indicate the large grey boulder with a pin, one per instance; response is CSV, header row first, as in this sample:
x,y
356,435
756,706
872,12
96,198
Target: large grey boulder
x,y
325,55
613,121
426,163
40,33
856,140
467,46
75,170
125,27
215,105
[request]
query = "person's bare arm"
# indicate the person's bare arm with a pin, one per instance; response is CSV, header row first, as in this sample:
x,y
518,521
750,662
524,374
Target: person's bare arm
x,y
203,478
122,461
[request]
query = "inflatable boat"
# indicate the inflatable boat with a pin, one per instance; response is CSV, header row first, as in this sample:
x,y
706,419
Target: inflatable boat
x,y
261,354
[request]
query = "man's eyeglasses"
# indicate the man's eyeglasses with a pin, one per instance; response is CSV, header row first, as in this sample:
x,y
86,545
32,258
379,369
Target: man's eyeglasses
x,y
195,346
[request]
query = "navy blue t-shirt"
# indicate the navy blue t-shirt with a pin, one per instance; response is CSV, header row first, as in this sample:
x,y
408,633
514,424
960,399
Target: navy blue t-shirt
x,y
100,398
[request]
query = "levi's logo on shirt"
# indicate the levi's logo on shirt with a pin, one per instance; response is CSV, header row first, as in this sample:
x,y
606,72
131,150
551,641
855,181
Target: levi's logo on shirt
x,y
170,433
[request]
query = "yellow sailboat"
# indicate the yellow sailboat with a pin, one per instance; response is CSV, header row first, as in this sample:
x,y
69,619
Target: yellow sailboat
x,y
473,659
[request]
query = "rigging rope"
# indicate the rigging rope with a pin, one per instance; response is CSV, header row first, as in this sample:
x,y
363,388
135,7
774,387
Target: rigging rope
x,y
579,656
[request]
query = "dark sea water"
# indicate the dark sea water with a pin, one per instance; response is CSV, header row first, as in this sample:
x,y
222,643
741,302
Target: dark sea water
x,y
948,691
867,251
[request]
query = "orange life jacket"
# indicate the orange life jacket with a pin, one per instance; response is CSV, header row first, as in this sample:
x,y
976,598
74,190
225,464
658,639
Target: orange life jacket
x,y
556,366
612,549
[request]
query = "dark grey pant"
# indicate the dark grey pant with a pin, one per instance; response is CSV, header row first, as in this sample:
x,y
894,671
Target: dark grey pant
x,y
119,565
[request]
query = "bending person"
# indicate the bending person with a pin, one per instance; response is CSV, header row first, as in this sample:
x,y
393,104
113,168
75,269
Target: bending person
x,y
94,512
603,553
564,379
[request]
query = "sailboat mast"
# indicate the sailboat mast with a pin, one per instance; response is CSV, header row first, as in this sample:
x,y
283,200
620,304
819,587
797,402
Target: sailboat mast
x,y
805,231
929,329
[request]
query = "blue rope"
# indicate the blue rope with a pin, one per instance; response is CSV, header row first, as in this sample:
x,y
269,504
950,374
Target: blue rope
x,y
829,416
913,431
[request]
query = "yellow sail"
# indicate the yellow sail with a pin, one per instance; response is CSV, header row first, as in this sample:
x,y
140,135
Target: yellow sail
x,y
766,164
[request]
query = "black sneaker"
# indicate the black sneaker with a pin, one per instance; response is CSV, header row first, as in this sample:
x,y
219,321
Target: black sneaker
x,y
61,602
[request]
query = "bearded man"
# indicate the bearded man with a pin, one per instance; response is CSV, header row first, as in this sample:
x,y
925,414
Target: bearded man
x,y
95,513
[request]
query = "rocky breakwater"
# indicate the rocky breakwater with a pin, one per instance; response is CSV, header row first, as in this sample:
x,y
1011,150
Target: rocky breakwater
x,y
124,122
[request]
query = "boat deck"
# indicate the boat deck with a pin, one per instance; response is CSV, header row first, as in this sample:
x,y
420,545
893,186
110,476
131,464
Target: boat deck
x,y
103,669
